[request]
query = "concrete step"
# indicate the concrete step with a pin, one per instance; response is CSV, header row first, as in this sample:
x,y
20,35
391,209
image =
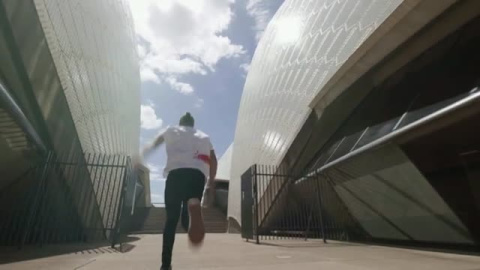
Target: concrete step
x,y
152,220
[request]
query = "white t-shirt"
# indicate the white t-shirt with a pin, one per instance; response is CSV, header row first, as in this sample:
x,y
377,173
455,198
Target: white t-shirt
x,y
187,147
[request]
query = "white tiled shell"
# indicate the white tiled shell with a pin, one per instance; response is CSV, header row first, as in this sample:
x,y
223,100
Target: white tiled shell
x,y
225,165
304,45
93,46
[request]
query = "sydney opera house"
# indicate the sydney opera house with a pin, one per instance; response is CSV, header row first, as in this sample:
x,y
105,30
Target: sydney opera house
x,y
70,116
379,97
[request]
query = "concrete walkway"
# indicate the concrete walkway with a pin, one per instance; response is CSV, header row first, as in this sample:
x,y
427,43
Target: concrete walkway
x,y
223,251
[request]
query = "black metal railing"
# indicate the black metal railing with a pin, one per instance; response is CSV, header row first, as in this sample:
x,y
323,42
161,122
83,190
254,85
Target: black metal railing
x,y
276,205
67,198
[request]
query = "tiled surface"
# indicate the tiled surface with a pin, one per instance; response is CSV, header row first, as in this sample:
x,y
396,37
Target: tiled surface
x,y
93,46
304,45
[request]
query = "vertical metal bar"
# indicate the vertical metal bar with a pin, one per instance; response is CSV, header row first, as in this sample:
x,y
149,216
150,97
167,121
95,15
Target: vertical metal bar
x,y
65,202
123,174
47,206
54,190
260,179
95,215
296,211
266,203
290,232
107,192
92,198
269,194
279,201
261,199
58,204
319,201
313,209
44,198
35,202
98,181
255,189
82,171
12,222
89,170
121,204
101,202
285,205
67,198
310,216
84,178
313,225
114,195
113,200
278,182
72,183
275,226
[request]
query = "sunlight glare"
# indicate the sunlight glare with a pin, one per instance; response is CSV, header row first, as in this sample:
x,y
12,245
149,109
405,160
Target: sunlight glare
x,y
289,29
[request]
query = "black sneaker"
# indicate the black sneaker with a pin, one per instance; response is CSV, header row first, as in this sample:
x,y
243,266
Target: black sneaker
x,y
166,268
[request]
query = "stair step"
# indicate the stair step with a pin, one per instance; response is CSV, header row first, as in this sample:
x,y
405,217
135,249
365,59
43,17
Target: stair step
x,y
152,221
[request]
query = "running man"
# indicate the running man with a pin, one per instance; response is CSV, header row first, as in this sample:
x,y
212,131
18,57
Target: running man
x,y
190,161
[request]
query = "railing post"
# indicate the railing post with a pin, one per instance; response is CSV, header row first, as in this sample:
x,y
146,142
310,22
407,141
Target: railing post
x,y
35,202
310,215
255,202
319,201
119,218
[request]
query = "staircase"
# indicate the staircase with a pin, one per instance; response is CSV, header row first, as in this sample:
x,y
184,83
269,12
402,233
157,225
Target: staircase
x,y
151,220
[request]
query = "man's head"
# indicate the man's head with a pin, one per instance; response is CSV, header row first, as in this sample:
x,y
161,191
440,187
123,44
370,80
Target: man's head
x,y
187,120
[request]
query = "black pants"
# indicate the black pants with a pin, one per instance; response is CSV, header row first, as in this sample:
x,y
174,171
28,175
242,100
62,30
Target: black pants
x,y
182,185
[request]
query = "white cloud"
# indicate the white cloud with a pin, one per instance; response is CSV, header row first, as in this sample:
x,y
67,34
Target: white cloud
x,y
148,118
261,12
245,67
148,75
182,37
181,87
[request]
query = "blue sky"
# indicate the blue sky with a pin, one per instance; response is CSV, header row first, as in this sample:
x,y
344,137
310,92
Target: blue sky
x,y
194,56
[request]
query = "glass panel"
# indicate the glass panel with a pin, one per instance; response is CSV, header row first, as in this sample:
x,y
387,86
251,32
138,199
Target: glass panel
x,y
346,146
391,199
376,132
326,155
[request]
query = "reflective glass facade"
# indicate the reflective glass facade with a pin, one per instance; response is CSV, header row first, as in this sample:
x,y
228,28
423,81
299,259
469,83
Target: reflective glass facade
x,y
93,46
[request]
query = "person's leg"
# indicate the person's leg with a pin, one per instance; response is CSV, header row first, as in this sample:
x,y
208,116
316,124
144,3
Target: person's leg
x,y
173,200
184,219
195,187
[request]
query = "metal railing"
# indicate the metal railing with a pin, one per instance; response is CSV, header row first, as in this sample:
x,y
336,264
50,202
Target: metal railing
x,y
68,198
276,206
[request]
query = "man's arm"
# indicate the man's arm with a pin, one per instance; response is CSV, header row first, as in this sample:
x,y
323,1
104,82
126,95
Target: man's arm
x,y
213,169
148,149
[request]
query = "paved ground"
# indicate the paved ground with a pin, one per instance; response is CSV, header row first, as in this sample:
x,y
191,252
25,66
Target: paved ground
x,y
223,251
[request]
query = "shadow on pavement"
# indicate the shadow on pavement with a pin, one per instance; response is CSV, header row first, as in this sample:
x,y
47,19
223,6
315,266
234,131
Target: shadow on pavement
x,y
13,254
304,244
331,244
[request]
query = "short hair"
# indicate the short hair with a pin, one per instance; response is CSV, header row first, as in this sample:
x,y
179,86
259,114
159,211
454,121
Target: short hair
x,y
187,120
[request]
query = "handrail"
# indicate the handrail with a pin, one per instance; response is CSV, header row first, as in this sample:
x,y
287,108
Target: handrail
x,y
7,102
470,99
